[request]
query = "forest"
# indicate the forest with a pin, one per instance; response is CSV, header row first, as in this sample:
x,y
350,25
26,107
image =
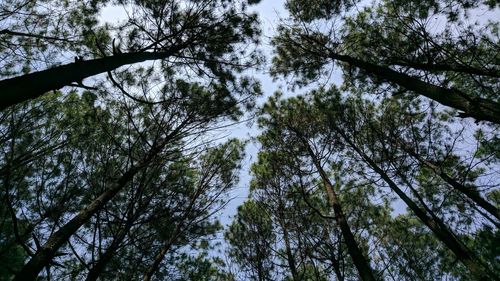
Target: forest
x,y
377,156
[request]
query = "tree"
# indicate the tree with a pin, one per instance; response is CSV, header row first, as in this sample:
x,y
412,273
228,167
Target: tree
x,y
35,33
201,268
353,138
121,170
395,47
125,164
269,189
250,237
335,125
193,37
216,177
298,203
287,126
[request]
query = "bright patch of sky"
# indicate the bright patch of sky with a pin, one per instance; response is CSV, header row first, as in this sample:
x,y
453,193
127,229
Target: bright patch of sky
x,y
270,14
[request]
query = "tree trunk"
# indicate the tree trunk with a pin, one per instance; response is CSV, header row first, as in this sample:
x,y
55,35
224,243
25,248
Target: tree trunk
x,y
130,218
440,230
44,254
364,270
333,259
469,192
99,267
440,67
32,85
478,108
289,255
161,254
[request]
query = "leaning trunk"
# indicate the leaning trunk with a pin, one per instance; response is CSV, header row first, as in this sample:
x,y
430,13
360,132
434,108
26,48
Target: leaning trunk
x,y
438,228
364,270
167,246
99,267
46,253
477,108
161,254
469,192
22,88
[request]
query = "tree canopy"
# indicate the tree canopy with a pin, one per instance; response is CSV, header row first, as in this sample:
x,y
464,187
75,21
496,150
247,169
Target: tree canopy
x,y
378,158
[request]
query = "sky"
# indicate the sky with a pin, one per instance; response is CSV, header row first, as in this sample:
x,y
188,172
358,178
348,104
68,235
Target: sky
x,y
270,12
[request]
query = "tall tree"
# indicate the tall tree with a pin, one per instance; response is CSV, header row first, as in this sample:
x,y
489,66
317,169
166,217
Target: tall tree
x,y
132,146
250,237
399,47
300,210
334,126
287,126
192,36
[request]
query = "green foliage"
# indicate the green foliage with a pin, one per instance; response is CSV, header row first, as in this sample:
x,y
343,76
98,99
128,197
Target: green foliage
x,y
61,152
317,9
145,135
250,237
337,127
12,255
201,268
433,41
